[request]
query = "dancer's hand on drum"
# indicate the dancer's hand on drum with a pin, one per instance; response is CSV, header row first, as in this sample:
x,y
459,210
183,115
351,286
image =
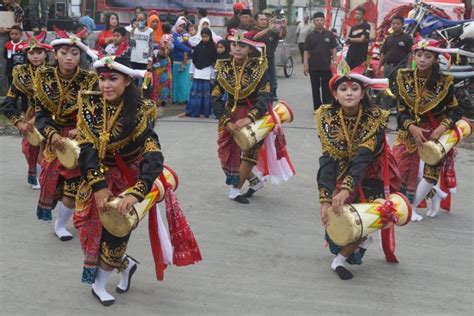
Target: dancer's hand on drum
x,y
324,213
339,200
417,133
57,143
231,128
243,122
72,134
101,198
125,206
438,132
22,128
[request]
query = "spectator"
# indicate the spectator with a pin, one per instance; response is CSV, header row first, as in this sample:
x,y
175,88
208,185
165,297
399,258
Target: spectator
x,y
155,24
202,13
202,75
119,38
270,34
185,14
302,30
11,5
246,21
394,55
141,41
194,39
234,22
358,40
319,47
340,44
162,82
13,51
181,82
205,23
223,49
139,9
87,21
133,24
39,12
106,36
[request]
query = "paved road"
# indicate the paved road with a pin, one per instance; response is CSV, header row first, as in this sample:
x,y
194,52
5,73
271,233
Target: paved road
x,y
264,258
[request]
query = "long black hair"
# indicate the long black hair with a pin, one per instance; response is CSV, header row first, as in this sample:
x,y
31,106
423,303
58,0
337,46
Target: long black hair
x,y
107,20
131,96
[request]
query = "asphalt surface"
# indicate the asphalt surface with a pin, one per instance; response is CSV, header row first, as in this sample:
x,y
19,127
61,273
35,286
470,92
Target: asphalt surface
x,y
265,258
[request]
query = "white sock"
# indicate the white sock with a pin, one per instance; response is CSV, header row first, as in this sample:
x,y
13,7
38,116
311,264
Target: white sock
x,y
258,186
123,284
100,283
435,206
234,192
422,190
338,261
37,174
64,214
366,243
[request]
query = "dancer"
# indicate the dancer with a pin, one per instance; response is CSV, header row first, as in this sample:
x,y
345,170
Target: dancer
x,y
353,141
245,80
57,89
427,108
23,86
119,150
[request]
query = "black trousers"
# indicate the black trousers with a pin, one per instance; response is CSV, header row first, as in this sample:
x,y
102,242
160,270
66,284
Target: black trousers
x,y
301,48
320,83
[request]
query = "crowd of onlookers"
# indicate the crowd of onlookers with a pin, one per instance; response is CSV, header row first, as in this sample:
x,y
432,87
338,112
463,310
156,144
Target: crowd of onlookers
x,y
180,56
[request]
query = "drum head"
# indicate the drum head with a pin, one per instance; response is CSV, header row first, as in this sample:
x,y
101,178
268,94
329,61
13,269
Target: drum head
x,y
115,223
245,138
345,228
431,153
34,138
70,156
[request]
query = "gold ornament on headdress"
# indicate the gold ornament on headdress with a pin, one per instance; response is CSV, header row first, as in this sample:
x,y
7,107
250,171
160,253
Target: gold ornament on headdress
x,y
343,68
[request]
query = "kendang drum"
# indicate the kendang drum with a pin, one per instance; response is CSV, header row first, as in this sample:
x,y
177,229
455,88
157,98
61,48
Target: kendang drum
x,y
433,151
357,221
34,137
248,136
121,225
69,158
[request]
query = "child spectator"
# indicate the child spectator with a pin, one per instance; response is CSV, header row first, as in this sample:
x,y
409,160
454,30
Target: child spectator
x,y
162,79
181,82
194,37
13,51
119,37
223,49
202,74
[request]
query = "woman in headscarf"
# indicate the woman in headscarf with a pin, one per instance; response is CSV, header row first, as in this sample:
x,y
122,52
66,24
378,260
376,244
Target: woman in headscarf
x,y
181,62
162,79
205,23
223,49
202,73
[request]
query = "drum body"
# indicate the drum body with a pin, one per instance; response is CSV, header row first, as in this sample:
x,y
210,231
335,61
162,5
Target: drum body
x,y
70,156
252,134
357,221
434,151
34,137
121,225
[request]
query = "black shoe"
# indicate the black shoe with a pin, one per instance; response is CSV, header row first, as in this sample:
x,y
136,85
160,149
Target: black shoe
x,y
132,271
241,199
105,303
343,273
249,193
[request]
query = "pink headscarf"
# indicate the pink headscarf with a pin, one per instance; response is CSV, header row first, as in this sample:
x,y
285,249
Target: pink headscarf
x,y
181,20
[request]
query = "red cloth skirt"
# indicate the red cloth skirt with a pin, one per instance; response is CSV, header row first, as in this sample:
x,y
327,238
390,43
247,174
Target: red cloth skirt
x,y
31,154
56,181
86,218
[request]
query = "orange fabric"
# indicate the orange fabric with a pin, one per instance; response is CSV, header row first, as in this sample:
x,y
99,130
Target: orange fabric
x,y
158,32
102,36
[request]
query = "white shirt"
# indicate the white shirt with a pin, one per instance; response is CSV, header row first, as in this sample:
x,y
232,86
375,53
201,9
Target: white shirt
x,y
207,73
303,30
142,48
